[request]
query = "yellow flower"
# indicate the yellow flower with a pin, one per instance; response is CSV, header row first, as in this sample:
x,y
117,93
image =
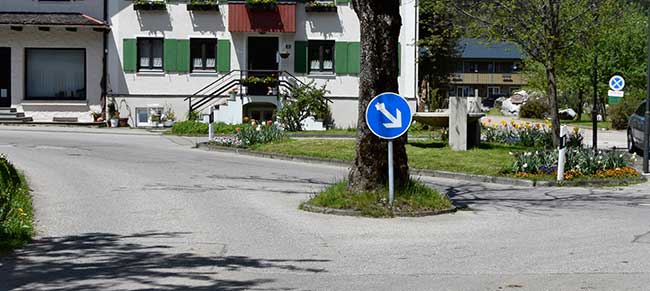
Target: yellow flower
x,y
504,123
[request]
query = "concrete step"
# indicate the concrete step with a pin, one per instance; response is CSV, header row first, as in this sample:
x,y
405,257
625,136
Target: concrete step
x,y
7,109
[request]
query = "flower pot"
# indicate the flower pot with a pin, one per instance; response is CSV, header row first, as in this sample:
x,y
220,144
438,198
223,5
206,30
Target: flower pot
x,y
114,122
123,122
169,123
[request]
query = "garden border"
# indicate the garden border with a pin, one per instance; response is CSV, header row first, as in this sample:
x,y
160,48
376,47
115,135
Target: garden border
x,y
356,213
430,173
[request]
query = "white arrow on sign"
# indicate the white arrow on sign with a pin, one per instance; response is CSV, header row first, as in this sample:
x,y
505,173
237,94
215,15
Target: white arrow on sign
x,y
395,122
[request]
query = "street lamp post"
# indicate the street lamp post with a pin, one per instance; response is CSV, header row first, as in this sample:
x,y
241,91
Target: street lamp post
x,y
594,110
646,133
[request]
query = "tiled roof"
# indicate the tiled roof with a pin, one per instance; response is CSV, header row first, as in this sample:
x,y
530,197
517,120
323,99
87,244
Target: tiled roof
x,y
473,48
59,18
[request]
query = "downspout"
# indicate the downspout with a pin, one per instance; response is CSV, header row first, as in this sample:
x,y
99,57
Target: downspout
x,y
416,56
104,97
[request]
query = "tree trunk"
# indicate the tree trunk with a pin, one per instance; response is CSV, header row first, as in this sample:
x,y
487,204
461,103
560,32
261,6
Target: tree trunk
x,y
380,23
580,107
552,96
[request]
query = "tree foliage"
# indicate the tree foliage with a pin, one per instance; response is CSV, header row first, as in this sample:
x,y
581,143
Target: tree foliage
x,y
439,34
546,30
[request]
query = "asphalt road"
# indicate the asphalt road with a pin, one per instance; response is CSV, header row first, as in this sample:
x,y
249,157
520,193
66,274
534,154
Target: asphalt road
x,y
125,212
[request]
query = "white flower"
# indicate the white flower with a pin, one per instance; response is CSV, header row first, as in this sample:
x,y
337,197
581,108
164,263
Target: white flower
x,y
259,128
525,166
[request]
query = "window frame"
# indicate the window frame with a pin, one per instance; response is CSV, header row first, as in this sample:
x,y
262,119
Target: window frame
x,y
54,98
321,44
204,61
151,67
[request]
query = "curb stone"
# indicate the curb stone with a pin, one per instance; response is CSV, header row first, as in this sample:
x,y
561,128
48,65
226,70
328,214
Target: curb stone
x,y
349,212
423,172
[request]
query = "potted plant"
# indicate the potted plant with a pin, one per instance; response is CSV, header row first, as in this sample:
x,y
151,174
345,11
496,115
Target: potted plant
x,y
262,4
320,6
113,114
169,118
203,5
149,5
233,94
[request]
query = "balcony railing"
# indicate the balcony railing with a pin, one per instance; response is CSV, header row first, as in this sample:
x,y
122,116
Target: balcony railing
x,y
488,79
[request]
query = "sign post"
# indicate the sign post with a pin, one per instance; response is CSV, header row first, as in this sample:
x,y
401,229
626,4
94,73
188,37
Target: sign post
x,y
616,84
211,125
389,116
562,154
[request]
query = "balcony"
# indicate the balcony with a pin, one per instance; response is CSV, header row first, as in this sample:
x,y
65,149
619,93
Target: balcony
x,y
276,17
515,79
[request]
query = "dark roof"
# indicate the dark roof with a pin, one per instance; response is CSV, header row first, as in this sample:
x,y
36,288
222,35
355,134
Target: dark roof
x,y
473,48
59,18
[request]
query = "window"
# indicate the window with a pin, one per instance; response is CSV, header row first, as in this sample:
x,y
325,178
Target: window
x,y
55,74
150,54
641,110
203,54
321,56
148,116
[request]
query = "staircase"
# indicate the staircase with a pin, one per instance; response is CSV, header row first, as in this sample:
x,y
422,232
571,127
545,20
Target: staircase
x,y
217,92
10,115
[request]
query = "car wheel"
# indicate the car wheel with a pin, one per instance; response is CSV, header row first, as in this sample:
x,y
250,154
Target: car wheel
x,y
631,147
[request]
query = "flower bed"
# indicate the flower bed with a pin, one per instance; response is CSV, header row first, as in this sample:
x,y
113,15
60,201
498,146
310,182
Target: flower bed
x,y
252,134
580,163
16,215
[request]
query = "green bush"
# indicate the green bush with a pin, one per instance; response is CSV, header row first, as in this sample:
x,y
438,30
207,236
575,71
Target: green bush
x,y
620,113
305,101
15,208
535,108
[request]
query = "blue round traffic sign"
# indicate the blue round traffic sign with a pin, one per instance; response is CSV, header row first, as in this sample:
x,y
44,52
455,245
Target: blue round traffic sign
x,y
389,115
617,83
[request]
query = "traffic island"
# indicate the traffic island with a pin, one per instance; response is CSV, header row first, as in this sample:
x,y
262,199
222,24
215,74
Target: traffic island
x,y
413,200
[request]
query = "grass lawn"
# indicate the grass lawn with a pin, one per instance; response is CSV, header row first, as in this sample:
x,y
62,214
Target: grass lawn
x,y
414,197
489,159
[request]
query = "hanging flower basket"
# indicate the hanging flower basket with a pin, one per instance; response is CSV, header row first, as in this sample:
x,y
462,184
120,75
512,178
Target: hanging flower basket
x,y
149,5
320,7
262,4
203,6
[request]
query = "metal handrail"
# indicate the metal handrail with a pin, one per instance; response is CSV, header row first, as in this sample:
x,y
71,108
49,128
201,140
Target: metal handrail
x,y
210,85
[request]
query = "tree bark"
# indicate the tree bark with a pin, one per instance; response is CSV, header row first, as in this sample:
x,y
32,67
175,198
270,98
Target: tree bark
x,y
552,95
380,23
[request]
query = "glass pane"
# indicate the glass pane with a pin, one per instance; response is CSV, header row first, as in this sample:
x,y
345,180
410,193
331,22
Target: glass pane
x,y
57,74
157,53
197,63
210,62
144,50
328,57
143,115
314,65
314,57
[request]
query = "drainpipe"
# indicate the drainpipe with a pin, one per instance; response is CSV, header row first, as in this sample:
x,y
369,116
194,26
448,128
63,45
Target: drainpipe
x,y
104,85
416,70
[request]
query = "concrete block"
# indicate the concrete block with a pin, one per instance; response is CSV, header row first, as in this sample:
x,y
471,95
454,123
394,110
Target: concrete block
x,y
458,133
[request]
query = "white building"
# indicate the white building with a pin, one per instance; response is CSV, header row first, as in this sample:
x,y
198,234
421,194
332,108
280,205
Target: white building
x,y
51,61
159,54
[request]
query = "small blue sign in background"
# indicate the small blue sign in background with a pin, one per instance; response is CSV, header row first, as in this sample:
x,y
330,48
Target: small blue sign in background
x,y
617,83
389,115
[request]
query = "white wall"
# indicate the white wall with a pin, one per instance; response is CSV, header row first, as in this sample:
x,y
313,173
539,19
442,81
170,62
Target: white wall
x,y
179,23
31,37
92,8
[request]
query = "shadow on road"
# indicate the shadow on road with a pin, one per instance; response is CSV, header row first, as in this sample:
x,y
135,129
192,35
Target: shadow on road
x,y
99,261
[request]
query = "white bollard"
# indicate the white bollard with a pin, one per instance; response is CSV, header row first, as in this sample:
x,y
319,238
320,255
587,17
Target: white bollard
x,y
211,125
562,154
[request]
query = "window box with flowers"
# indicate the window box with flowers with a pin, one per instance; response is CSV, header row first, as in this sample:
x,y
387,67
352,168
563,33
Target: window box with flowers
x,y
262,4
198,5
149,5
320,6
269,81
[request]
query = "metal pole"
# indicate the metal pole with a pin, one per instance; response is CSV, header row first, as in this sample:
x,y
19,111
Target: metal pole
x,y
594,111
562,154
391,174
211,125
646,133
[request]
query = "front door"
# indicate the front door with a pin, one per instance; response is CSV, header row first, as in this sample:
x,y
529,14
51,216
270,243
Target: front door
x,y
5,77
262,62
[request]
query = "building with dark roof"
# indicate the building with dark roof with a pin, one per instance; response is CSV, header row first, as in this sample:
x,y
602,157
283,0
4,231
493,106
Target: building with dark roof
x,y
487,70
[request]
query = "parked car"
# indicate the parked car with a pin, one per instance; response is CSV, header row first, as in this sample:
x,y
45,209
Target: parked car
x,y
635,129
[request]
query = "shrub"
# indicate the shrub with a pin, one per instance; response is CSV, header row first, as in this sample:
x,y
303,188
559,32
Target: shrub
x,y
190,128
536,107
304,102
620,113
259,134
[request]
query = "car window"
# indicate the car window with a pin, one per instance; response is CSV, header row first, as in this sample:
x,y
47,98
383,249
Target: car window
x,y
641,110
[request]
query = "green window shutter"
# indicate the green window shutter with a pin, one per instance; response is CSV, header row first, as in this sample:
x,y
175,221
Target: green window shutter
x,y
341,57
342,1
300,57
130,57
223,55
354,59
183,55
170,54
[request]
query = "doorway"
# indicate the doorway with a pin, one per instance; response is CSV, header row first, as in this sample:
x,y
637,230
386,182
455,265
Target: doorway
x,y
262,62
5,77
